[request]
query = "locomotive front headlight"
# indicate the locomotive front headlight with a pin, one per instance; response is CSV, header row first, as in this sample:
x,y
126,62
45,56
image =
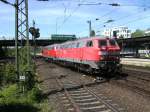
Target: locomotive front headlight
x,y
103,53
117,57
102,58
99,53
103,65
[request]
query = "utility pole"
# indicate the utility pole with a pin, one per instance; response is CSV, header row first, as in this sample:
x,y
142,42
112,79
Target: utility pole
x,y
22,33
56,26
16,41
27,34
35,34
22,28
90,27
33,37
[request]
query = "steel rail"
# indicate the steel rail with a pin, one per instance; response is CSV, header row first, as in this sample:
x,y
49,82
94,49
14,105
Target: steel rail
x,y
114,109
76,107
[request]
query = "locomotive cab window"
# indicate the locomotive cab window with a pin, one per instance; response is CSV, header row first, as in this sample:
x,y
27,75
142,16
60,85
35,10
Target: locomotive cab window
x,y
112,42
82,44
77,45
89,44
102,43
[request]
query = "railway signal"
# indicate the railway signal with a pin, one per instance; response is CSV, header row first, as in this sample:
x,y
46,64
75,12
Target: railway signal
x,y
37,34
34,32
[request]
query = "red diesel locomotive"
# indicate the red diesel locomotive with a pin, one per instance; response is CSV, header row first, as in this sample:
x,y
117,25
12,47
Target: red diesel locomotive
x,y
93,55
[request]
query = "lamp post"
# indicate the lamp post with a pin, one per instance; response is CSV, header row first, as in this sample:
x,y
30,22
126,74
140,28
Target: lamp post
x,y
56,24
90,27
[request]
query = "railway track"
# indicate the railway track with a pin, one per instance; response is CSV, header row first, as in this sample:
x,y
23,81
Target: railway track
x,y
134,79
136,84
83,99
134,87
140,73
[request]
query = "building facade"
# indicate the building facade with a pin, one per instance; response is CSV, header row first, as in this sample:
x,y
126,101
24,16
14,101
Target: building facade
x,y
118,32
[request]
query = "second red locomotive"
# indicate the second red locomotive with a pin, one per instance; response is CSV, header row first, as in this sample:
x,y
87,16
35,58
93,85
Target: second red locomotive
x,y
94,55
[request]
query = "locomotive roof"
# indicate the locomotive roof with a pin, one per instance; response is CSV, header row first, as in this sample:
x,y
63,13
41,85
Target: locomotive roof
x,y
78,40
91,38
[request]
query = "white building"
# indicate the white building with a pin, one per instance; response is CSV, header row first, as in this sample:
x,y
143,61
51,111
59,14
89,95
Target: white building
x,y
118,32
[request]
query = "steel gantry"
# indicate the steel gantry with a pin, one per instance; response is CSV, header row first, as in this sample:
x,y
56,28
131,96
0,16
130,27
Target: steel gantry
x,y
21,33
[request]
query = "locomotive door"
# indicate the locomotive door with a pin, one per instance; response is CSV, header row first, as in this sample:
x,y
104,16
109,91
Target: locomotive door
x,y
88,51
81,50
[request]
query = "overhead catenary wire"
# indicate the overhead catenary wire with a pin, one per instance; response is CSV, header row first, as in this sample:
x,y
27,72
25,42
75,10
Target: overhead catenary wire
x,y
70,15
132,21
127,16
66,7
66,18
105,15
6,2
112,11
115,4
135,20
112,4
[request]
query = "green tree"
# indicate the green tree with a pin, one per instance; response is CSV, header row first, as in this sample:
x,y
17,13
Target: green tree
x,y
137,33
9,73
147,33
1,74
2,52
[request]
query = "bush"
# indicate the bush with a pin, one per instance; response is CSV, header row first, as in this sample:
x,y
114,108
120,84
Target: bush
x,y
10,95
11,101
34,96
1,74
9,73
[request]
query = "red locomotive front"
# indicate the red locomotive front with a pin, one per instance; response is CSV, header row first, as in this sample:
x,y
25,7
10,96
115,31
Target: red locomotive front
x,y
94,55
109,54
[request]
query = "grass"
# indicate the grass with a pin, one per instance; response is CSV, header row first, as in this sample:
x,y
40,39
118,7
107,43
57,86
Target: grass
x,y
32,101
11,100
45,107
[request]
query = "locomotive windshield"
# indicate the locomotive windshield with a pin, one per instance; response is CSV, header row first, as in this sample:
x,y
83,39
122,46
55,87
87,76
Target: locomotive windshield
x,y
102,43
112,42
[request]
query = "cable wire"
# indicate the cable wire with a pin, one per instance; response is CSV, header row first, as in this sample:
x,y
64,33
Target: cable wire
x,y
71,14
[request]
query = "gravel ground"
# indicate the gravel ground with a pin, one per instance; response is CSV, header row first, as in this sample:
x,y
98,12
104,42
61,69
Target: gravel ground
x,y
124,97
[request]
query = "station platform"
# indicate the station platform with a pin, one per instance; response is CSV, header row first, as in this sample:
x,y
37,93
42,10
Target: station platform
x,y
136,62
